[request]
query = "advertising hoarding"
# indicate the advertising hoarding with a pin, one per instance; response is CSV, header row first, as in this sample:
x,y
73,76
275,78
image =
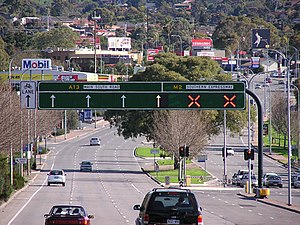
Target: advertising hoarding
x,y
202,44
151,53
260,38
119,42
36,64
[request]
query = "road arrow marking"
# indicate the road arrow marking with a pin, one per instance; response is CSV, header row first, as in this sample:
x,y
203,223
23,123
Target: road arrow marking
x,y
52,100
88,101
27,101
158,101
123,100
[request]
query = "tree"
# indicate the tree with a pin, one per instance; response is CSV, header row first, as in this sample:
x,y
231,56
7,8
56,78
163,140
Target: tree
x,y
55,38
169,67
173,129
4,57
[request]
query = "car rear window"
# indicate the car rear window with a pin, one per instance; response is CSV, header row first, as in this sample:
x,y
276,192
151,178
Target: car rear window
x,y
56,172
168,200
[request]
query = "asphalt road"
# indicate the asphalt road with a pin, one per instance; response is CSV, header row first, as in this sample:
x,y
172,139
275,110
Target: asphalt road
x,y
116,184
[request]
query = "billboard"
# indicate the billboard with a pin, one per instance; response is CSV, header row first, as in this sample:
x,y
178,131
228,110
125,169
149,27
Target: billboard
x,y
119,42
202,44
260,38
151,53
36,64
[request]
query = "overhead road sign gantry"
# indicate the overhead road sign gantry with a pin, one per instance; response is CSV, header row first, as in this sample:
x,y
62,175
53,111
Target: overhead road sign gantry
x,y
141,95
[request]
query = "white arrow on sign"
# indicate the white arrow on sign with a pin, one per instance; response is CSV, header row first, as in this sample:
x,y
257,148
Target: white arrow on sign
x,y
158,100
52,100
27,101
88,101
123,100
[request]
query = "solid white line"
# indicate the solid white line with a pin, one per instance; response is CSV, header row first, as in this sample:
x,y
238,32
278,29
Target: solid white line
x,y
27,202
136,188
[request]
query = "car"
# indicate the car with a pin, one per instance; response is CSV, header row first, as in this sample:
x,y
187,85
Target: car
x,y
257,86
230,151
268,80
95,141
233,179
274,180
56,176
281,82
67,214
266,85
86,166
169,206
266,175
245,178
240,174
294,177
297,182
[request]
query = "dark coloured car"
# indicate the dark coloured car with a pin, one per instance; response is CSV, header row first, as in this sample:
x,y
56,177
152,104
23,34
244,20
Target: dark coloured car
x,y
169,206
86,166
274,180
67,214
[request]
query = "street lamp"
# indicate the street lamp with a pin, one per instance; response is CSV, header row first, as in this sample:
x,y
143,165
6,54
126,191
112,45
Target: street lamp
x,y
10,102
176,35
69,62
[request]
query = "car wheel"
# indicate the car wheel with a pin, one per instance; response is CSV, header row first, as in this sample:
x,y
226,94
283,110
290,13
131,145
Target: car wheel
x,y
48,184
64,184
267,186
280,186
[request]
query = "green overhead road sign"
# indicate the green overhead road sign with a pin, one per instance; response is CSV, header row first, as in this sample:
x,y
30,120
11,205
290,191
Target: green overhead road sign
x,y
141,95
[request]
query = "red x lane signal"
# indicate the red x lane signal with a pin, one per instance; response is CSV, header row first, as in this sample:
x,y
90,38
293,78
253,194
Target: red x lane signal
x,y
229,101
194,101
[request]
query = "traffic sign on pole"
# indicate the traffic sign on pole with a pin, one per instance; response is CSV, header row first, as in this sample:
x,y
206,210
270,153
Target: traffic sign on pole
x,y
28,94
141,95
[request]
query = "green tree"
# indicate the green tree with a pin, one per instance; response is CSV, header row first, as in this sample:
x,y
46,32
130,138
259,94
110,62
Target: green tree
x,y
55,38
169,67
4,57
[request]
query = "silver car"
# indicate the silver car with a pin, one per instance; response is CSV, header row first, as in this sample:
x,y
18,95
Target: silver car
x,y
274,180
297,182
95,141
245,178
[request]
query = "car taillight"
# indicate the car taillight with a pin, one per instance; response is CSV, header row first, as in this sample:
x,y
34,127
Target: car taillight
x,y
200,220
146,218
83,221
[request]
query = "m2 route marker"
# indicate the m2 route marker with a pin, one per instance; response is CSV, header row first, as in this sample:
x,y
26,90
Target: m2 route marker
x,y
141,95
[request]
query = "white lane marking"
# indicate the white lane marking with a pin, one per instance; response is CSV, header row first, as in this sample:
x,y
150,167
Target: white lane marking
x,y
136,188
27,202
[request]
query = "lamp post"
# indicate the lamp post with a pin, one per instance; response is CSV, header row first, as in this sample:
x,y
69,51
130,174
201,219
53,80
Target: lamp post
x,y
10,80
176,35
289,124
69,61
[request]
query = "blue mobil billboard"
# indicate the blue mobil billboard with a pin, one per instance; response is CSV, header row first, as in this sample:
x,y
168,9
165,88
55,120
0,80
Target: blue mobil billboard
x,y
36,64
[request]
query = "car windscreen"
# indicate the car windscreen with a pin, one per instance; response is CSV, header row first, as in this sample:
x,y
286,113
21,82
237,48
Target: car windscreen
x,y
67,211
56,172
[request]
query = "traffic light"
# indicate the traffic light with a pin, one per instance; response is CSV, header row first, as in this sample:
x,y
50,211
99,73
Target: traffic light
x,y
184,151
265,129
187,151
248,154
181,151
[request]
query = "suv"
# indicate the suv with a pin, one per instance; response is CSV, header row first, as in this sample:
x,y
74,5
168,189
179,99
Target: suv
x,y
169,206
86,166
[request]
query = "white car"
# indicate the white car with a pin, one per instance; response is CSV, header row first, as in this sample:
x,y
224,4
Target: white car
x,y
56,177
266,175
230,151
245,178
95,141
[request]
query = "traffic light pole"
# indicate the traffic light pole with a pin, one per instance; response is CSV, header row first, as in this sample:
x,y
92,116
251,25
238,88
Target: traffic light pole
x,y
260,136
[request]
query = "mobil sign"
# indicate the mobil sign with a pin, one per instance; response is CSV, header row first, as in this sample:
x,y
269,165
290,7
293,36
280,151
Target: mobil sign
x,y
36,64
